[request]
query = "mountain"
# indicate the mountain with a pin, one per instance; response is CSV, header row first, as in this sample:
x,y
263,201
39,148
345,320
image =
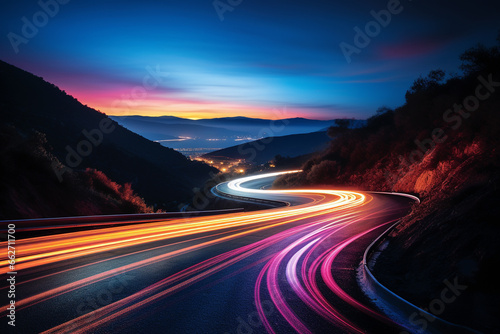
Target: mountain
x,y
272,128
266,149
81,137
207,135
159,128
231,126
442,145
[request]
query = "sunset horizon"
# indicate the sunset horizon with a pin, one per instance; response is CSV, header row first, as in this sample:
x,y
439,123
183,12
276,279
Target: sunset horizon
x,y
198,68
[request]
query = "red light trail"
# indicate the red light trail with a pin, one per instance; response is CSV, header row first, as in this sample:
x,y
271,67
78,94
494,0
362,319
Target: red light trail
x,y
312,234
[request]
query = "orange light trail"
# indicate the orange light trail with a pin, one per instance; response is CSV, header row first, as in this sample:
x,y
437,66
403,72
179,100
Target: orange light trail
x,y
326,213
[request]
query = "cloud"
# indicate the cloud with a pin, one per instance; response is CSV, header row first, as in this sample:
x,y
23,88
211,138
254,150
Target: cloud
x,y
412,48
374,80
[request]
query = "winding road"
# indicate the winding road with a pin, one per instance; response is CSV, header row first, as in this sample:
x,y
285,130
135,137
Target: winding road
x,y
286,269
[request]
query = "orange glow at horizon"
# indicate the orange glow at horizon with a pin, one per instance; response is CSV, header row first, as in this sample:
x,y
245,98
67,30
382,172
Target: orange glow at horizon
x,y
195,111
117,103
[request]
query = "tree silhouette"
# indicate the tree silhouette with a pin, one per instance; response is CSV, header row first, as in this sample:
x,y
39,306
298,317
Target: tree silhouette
x,y
342,123
422,84
481,58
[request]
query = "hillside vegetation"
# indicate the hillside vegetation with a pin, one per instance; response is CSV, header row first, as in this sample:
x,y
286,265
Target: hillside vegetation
x,y
443,145
31,189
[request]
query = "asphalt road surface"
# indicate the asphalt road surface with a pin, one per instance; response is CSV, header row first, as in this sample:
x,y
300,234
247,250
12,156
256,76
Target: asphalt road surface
x,y
282,270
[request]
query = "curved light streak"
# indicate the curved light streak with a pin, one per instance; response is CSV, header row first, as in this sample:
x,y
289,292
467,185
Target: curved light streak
x,y
306,261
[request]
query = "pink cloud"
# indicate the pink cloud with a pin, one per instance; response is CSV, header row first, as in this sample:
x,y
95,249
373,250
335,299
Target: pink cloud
x,y
412,49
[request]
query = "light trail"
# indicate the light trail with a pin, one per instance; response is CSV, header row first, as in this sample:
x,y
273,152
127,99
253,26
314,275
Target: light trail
x,y
299,243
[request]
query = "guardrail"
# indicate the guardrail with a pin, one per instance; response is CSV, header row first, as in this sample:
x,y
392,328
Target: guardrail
x,y
274,203
403,308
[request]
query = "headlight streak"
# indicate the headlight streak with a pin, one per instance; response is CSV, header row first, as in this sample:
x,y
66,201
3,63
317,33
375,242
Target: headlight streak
x,y
313,299
308,227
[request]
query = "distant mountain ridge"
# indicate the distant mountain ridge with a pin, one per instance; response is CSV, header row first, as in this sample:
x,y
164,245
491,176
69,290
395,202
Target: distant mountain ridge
x,y
225,132
160,128
286,126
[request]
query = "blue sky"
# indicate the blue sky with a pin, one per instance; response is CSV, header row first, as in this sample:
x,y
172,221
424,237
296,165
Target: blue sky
x,y
264,59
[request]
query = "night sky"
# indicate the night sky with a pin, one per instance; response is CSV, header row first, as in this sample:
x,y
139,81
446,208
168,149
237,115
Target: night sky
x,y
256,58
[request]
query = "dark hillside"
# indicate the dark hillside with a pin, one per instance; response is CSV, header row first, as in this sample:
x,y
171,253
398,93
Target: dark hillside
x,y
266,149
443,145
160,175
31,189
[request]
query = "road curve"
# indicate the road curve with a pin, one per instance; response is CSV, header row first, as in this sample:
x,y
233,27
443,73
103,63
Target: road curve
x,y
283,270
